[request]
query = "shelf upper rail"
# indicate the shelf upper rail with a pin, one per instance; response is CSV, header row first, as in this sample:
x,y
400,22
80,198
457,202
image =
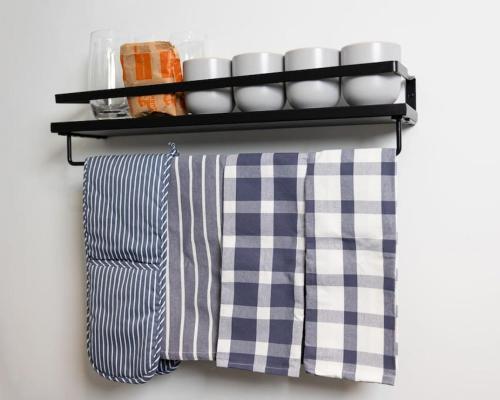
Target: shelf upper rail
x,y
246,80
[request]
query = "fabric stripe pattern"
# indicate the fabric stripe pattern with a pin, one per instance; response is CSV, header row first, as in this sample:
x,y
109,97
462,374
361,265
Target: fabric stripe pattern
x,y
262,289
350,265
194,265
125,218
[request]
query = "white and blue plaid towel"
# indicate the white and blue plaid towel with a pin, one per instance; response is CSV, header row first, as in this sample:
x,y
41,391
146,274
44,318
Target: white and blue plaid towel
x,y
262,299
125,219
350,265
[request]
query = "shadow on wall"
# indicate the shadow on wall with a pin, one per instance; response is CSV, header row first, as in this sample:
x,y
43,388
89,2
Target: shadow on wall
x,y
229,380
206,370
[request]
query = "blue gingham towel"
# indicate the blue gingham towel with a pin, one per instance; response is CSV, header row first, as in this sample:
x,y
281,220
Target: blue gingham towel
x,y
350,265
194,265
125,219
262,290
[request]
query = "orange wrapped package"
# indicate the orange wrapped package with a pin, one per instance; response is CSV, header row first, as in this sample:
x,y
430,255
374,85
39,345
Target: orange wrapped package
x,y
150,63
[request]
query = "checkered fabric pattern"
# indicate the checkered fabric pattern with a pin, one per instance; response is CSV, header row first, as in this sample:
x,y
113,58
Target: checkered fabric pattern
x,y
262,293
350,265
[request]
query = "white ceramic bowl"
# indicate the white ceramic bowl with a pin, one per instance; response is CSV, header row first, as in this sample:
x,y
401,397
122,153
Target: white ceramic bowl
x,y
373,89
318,93
263,97
208,101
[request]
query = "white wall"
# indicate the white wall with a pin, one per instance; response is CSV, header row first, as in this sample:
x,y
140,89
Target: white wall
x,y
448,191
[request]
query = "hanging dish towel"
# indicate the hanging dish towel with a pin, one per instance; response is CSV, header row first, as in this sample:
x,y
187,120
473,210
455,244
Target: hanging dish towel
x,y
350,265
193,284
125,219
262,293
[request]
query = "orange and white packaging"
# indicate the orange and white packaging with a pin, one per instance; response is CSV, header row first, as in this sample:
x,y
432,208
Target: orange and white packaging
x,y
151,63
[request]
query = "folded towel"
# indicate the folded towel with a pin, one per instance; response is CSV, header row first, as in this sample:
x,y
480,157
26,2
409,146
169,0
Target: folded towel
x,y
125,215
193,285
262,291
350,265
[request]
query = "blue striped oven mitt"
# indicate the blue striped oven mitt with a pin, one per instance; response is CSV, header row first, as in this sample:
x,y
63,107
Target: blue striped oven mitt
x,y
125,217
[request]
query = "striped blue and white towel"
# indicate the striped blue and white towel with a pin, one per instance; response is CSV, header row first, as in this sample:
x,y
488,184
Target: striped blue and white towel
x,y
125,220
193,284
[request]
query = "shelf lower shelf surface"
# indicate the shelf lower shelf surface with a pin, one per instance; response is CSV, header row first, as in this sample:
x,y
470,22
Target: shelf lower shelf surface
x,y
372,114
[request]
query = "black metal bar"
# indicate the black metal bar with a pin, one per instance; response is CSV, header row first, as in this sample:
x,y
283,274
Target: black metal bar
x,y
232,121
399,144
69,152
235,81
411,93
69,136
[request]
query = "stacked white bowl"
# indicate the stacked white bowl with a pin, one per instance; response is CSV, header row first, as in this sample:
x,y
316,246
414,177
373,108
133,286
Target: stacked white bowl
x,y
371,89
208,101
262,97
317,93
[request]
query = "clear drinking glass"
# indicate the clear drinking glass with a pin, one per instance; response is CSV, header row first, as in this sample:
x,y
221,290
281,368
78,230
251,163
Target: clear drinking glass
x,y
105,72
189,44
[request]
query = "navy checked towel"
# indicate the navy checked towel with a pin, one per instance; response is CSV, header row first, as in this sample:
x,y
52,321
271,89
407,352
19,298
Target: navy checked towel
x,y
262,298
350,265
125,215
194,265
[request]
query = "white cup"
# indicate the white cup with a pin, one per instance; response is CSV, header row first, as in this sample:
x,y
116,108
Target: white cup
x,y
213,100
317,93
262,97
372,89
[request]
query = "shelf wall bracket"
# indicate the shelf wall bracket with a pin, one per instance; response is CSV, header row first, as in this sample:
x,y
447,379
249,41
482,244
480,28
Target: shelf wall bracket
x,y
399,141
69,152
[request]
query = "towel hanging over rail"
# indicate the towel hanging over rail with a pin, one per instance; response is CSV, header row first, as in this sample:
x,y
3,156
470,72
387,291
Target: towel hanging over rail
x,y
262,299
350,265
194,262
125,212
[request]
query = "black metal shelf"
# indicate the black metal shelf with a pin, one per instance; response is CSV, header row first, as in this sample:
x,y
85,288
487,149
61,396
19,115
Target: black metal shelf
x,y
384,113
399,113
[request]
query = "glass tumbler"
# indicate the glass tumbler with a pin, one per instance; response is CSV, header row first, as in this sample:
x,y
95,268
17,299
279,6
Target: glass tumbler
x,y
105,72
189,44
